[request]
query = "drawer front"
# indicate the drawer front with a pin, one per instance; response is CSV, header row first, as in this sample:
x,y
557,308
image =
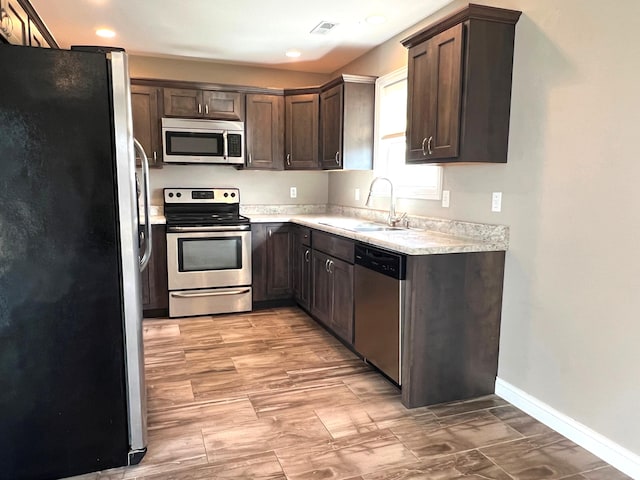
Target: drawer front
x,y
186,303
304,236
333,245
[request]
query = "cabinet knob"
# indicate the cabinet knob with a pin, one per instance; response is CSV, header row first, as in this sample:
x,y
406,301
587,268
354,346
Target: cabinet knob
x,y
288,159
337,158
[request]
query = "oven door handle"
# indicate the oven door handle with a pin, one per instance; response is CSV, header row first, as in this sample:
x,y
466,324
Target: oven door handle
x,y
214,228
210,293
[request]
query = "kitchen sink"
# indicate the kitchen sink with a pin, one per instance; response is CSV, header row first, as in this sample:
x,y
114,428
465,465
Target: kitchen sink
x,y
356,226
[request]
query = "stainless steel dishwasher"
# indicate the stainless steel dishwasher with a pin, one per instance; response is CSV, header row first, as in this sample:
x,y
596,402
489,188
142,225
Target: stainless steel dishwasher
x,y
379,292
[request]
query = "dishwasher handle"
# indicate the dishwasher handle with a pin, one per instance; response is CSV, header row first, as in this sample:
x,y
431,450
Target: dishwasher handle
x,y
391,264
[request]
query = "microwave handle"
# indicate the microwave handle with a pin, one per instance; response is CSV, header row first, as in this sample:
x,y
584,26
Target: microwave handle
x,y
226,144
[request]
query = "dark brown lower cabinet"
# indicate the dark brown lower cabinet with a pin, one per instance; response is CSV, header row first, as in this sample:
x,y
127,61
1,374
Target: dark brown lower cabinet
x,y
272,248
452,326
155,292
302,267
332,294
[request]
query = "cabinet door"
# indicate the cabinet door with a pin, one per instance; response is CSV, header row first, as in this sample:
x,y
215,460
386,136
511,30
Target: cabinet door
x,y
301,132
14,25
434,97
35,36
155,292
223,105
259,261
264,126
342,309
180,102
279,250
331,125
322,291
445,101
301,273
146,122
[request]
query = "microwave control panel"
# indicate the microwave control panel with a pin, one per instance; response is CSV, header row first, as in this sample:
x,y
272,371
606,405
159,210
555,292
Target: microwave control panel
x,y
234,144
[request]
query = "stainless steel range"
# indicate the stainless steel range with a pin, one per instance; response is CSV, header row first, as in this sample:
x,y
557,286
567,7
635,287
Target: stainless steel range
x,y
208,252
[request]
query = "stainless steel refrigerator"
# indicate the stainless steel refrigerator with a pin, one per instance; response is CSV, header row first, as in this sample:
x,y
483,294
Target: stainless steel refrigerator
x,y
72,394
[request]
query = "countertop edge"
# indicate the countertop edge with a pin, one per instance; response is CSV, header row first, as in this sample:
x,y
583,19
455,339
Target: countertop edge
x,y
387,241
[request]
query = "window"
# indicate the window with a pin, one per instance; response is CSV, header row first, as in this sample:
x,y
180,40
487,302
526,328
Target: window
x,y
410,181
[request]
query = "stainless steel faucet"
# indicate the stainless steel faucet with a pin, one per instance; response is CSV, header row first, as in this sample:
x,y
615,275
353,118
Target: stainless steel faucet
x,y
392,219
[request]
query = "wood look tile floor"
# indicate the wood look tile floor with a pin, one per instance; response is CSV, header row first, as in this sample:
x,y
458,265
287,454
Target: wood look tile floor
x,y
271,395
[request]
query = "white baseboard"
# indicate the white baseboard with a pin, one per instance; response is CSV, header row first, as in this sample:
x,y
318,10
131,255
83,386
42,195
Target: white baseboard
x,y
609,451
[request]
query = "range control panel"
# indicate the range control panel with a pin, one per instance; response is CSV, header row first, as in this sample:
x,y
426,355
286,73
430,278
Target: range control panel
x,y
201,195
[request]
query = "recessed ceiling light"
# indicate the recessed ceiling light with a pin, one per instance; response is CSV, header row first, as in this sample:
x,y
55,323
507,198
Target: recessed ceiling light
x,y
292,53
375,19
105,33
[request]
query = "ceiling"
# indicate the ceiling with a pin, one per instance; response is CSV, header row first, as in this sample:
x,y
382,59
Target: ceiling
x,y
237,31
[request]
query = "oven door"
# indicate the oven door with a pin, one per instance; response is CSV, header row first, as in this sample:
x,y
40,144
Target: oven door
x,y
208,259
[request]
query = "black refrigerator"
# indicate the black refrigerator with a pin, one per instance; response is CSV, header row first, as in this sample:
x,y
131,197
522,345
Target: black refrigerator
x,y
72,395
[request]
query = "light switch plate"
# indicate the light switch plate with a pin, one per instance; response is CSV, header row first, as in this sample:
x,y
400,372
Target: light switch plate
x,y
445,198
293,192
496,201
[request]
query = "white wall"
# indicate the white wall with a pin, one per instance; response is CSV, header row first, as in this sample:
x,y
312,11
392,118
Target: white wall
x,y
570,324
256,187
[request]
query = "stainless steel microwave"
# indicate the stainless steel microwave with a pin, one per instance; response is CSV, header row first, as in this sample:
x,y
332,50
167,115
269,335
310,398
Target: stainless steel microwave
x,y
190,140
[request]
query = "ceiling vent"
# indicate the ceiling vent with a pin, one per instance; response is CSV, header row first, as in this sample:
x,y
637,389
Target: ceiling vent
x,y
323,27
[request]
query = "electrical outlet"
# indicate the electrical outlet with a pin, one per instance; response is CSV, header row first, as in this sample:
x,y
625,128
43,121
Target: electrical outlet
x,y
293,192
445,198
357,194
496,201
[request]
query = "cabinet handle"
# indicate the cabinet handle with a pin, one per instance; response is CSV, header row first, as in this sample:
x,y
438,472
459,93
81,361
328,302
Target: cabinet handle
x,y
206,109
270,232
331,266
338,158
199,108
250,159
326,265
289,159
306,256
429,145
424,153
155,157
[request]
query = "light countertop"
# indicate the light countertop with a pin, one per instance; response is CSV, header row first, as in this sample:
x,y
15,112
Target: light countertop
x,y
410,241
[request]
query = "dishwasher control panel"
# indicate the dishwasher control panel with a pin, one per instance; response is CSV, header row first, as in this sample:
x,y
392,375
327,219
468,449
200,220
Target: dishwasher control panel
x,y
388,263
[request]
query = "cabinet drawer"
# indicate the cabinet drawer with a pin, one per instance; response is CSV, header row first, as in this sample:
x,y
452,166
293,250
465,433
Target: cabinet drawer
x,y
338,247
304,236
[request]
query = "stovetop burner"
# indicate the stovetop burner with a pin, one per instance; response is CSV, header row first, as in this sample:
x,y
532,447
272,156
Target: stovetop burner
x,y
203,207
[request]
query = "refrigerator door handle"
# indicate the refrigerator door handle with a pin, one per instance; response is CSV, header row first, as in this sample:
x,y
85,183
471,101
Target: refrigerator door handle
x,y
144,261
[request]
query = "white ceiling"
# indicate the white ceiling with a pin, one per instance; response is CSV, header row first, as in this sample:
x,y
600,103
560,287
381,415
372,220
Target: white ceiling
x,y
237,31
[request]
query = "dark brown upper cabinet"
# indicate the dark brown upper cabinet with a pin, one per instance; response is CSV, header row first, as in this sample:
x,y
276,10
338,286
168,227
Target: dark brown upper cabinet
x,y
346,123
146,110
183,102
301,131
459,87
264,125
20,24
